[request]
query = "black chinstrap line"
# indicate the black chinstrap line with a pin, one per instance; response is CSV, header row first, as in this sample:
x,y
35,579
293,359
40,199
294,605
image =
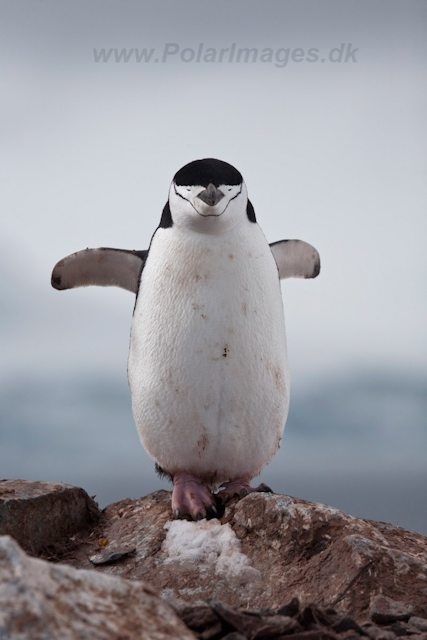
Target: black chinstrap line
x,y
208,215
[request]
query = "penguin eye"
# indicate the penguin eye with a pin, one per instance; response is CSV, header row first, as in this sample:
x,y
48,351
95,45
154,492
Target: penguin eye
x,y
229,188
188,189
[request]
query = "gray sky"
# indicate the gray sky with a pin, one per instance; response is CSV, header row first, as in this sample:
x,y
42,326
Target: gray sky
x,y
333,153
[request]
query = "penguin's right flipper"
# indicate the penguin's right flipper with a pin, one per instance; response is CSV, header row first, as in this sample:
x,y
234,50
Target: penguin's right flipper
x,y
102,267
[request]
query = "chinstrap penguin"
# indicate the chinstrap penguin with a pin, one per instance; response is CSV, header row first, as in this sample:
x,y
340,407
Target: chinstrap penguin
x,y
208,367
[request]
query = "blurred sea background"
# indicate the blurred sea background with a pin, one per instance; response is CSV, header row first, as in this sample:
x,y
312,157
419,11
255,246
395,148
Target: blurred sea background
x,y
343,443
333,153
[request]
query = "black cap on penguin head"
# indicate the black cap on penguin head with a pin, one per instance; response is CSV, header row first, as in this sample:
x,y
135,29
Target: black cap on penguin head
x,y
208,171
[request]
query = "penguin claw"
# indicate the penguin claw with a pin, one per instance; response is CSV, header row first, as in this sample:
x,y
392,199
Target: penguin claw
x,y
264,488
212,512
223,497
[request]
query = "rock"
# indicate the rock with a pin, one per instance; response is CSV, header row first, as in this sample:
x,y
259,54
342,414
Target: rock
x,y
50,601
290,609
39,514
346,624
418,623
111,555
376,633
198,617
266,550
384,610
219,620
254,626
402,629
269,556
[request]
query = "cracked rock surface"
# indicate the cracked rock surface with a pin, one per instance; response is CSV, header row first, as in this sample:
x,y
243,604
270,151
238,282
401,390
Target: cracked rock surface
x,y
37,514
265,550
272,566
41,600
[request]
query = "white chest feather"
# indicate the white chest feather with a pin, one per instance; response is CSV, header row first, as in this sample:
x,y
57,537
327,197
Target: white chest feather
x,y
208,366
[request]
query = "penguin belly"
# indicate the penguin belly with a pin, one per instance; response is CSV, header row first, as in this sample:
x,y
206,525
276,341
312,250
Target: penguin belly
x,y
208,367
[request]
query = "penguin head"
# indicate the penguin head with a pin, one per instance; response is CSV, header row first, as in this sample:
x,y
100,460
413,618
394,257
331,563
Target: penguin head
x,y
208,196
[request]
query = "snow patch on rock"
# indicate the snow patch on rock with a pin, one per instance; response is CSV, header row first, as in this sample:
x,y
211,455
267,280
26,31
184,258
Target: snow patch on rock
x,y
208,546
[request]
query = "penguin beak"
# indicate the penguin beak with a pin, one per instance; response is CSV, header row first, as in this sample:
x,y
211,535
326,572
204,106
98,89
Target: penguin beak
x,y
211,195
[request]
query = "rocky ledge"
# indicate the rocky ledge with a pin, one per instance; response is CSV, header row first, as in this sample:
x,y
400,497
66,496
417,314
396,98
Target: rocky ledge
x,y
273,566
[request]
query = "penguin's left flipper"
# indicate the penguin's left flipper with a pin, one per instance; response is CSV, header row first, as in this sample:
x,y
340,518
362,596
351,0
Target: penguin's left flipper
x,y
296,259
102,267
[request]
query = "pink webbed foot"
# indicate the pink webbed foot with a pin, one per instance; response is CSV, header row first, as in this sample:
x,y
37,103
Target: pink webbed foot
x,y
191,497
239,487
